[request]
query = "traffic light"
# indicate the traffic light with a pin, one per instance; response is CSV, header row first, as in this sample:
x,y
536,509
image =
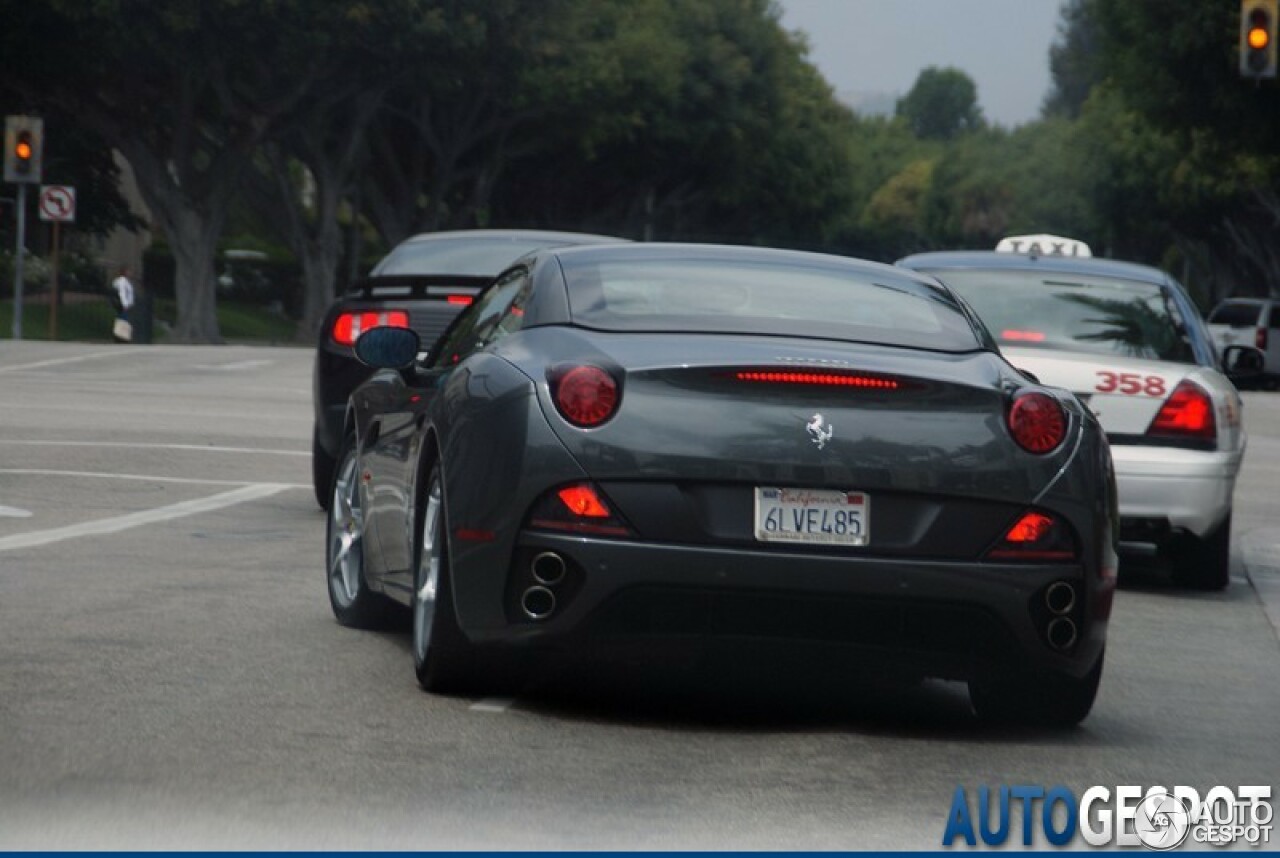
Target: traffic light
x,y
23,144
22,152
1258,38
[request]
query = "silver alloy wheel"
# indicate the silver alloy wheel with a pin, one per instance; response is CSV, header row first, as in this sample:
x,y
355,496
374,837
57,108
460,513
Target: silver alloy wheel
x,y
346,534
427,579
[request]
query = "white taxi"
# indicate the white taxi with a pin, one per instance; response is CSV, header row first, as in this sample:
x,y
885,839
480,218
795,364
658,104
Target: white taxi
x,y
1129,342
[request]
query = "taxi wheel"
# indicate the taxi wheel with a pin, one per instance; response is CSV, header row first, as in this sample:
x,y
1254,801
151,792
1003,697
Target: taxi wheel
x,y
1022,699
1205,564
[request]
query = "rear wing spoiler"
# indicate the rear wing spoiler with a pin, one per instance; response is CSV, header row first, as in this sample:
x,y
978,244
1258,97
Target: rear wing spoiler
x,y
417,286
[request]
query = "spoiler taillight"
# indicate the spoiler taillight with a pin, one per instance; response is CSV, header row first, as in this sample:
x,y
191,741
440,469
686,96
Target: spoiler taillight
x,y
348,327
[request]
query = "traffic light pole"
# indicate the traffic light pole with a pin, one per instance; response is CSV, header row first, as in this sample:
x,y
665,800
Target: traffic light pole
x,y
17,262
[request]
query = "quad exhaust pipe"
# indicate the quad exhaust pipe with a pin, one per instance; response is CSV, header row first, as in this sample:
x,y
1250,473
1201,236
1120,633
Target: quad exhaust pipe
x,y
1062,633
1060,598
547,568
537,602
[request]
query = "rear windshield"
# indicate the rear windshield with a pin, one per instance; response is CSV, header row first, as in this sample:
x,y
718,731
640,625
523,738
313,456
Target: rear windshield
x,y
1236,314
751,297
471,257
1076,313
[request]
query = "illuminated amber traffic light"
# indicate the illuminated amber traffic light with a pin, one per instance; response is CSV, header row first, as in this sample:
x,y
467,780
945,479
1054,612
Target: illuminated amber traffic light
x,y
22,152
23,143
1258,38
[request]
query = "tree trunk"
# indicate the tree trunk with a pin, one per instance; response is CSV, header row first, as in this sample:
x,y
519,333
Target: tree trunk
x,y
194,240
320,256
192,232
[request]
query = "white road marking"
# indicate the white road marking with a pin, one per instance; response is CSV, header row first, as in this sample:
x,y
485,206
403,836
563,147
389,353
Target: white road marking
x,y
137,519
234,366
127,408
493,704
14,512
55,361
46,472
133,445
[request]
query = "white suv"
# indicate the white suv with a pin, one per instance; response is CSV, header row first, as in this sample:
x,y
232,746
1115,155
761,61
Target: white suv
x,y
1250,322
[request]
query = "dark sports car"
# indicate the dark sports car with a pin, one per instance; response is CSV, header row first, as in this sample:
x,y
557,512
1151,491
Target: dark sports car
x,y
421,284
644,442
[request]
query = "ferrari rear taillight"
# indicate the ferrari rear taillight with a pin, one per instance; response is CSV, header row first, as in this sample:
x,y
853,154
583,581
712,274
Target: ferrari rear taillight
x,y
1037,422
583,502
577,508
1035,536
585,395
348,327
1186,414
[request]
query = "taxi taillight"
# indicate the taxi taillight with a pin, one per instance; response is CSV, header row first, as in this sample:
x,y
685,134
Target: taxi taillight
x,y
1186,414
348,327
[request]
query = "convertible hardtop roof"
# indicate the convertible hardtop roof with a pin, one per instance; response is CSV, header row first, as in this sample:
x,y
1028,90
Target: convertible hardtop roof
x,y
734,253
510,234
990,259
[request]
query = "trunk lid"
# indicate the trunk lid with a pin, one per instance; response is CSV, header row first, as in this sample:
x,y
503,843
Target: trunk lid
x,y
728,410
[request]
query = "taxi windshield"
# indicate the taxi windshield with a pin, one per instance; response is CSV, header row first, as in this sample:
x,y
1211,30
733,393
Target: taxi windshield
x,y
1077,313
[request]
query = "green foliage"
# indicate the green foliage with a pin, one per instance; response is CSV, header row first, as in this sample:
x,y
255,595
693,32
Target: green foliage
x,y
705,120
941,105
1074,61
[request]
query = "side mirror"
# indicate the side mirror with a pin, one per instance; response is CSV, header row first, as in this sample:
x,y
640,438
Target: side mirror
x,y
387,348
1243,362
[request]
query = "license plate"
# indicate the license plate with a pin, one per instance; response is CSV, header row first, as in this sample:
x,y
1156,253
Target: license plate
x,y
812,516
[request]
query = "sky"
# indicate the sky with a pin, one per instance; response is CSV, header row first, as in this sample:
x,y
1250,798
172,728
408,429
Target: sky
x,y
871,51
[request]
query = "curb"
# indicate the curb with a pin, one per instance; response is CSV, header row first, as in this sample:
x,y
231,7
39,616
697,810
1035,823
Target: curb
x,y
1260,556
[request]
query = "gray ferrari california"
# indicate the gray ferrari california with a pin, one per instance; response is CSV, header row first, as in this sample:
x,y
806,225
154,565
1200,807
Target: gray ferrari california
x,y
680,442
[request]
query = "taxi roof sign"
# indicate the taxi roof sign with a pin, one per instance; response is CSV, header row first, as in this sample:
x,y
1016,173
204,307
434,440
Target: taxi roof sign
x,y
1043,245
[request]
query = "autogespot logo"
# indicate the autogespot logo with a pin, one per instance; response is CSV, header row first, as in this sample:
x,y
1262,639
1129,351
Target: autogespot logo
x,y
1162,821
1157,818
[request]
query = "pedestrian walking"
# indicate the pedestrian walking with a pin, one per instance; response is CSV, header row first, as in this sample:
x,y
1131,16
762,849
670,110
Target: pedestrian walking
x,y
122,299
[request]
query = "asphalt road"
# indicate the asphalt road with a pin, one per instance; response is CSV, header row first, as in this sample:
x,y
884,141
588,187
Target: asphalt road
x,y
171,675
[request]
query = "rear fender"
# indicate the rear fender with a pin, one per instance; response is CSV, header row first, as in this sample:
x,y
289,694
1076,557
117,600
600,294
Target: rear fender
x,y
499,455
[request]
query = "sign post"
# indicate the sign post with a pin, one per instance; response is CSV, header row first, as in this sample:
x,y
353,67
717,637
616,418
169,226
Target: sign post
x,y
57,206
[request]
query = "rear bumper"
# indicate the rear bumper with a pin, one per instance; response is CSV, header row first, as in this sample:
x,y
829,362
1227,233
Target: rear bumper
x,y
337,374
943,618
1187,490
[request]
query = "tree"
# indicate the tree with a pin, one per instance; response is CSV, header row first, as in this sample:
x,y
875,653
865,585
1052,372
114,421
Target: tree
x,y
306,173
704,120
942,104
1178,75
186,91
1074,61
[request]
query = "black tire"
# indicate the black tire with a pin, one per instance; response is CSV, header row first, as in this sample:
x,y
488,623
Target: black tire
x,y
354,604
322,468
442,656
1205,564
1055,700
444,660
